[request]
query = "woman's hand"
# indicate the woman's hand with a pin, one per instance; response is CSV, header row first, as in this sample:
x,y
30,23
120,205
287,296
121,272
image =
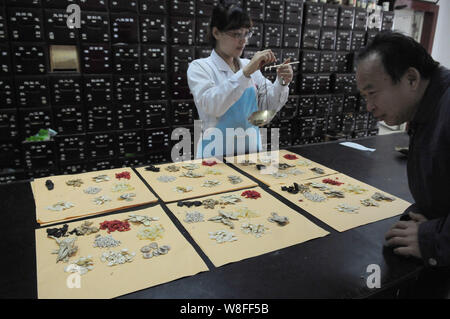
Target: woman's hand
x,y
260,59
285,72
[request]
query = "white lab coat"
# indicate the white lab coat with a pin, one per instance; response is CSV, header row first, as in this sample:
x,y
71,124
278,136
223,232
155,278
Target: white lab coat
x,y
216,88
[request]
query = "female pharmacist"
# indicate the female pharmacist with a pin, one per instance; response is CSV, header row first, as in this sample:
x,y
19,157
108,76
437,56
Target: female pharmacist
x,y
226,88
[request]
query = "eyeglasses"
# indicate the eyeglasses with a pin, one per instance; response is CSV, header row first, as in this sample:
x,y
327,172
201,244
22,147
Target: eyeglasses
x,y
239,35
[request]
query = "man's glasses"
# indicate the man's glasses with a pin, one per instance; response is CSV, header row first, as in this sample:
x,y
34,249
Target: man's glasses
x,y
239,35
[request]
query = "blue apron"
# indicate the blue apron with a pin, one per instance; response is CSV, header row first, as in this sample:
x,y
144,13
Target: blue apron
x,y
236,117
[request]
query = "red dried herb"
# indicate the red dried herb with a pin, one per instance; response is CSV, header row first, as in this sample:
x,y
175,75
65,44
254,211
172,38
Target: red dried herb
x,y
123,175
209,163
113,225
331,181
251,194
290,156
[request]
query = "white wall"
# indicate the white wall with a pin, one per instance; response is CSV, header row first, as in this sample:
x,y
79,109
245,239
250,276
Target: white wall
x,y
441,44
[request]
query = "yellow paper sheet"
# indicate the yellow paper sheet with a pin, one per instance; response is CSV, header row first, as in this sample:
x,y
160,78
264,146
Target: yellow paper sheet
x,y
112,281
341,221
168,194
277,237
84,204
266,176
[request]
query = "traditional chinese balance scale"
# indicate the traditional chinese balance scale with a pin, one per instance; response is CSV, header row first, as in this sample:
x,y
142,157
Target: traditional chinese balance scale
x,y
264,116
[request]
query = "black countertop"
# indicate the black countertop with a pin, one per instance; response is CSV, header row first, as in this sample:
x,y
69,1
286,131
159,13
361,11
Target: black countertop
x,y
334,266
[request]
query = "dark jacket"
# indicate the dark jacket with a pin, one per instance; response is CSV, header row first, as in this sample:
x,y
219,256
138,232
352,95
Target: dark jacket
x,y
429,169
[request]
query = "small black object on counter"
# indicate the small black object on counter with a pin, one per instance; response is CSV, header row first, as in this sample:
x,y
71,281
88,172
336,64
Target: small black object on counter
x,y
291,189
152,168
49,184
58,232
189,204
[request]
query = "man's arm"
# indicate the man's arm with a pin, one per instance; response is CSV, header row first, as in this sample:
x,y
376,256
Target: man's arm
x,y
434,235
414,235
434,242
